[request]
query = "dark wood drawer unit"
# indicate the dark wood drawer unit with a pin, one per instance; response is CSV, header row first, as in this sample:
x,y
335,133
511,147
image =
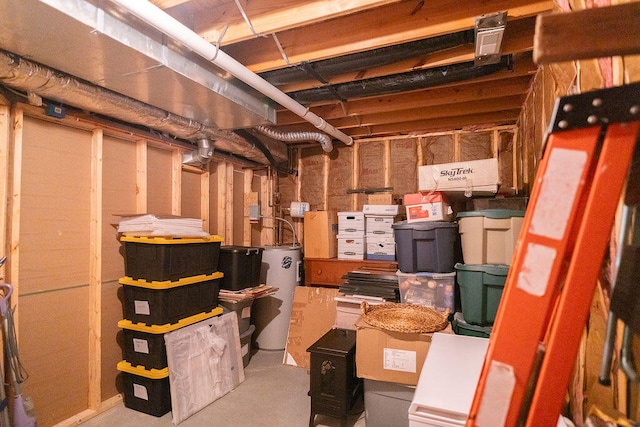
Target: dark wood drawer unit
x,y
334,385
329,271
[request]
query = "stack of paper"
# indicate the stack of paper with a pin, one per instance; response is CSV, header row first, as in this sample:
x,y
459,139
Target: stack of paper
x,y
161,225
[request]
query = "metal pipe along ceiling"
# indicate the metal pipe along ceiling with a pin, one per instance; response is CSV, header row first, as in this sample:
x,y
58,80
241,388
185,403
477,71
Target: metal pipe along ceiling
x,y
163,22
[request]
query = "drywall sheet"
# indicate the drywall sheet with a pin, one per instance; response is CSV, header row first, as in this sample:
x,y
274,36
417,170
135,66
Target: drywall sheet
x,y
312,188
340,179
313,313
159,182
118,198
404,170
190,192
371,165
437,149
54,341
110,347
476,145
55,207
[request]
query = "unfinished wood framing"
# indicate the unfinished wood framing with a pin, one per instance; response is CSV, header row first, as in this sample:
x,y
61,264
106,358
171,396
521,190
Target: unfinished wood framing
x,y
221,171
204,200
176,182
590,33
95,273
16,183
5,143
142,167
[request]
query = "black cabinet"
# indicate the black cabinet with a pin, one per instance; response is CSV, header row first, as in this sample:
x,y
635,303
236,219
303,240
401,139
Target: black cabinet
x,y
334,385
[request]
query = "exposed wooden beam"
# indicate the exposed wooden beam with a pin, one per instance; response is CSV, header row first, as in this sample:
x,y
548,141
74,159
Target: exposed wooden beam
x,y
272,16
518,39
383,26
418,99
427,113
439,124
95,271
590,33
166,4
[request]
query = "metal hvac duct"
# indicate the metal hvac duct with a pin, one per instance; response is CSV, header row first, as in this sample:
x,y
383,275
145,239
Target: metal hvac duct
x,y
323,139
414,80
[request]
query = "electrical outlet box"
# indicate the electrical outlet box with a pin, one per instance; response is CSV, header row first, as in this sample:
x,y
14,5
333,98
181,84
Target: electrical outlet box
x,y
55,111
254,212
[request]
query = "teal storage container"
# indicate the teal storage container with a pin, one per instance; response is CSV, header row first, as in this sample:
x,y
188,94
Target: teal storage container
x,y
461,327
481,287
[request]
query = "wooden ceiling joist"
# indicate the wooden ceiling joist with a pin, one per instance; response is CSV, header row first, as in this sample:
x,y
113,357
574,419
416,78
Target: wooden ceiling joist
x,y
370,29
591,33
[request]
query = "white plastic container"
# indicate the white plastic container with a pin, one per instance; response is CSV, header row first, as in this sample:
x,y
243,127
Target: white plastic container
x,y
282,268
453,364
489,236
386,403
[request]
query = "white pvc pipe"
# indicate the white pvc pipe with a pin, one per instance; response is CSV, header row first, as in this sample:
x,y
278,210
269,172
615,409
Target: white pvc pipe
x,y
162,21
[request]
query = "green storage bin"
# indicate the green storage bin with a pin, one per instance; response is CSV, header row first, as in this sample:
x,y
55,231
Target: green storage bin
x,y
481,287
461,327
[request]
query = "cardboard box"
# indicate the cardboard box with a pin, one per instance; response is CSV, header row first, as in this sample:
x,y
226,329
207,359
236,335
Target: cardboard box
x,y
382,248
380,209
420,198
351,247
351,224
380,199
313,313
438,211
477,176
380,225
391,356
320,231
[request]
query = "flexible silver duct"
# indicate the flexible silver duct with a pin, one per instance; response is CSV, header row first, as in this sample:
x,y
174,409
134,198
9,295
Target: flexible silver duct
x,y
24,75
201,156
322,138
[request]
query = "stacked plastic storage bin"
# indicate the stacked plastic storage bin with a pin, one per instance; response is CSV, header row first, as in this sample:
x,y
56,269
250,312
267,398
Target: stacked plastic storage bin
x,y
488,240
241,267
170,283
426,260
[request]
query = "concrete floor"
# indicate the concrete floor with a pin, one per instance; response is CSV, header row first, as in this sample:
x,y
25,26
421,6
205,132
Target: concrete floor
x,y
272,395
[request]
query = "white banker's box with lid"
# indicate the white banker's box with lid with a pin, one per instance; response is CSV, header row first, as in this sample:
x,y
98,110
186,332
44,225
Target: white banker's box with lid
x,y
476,176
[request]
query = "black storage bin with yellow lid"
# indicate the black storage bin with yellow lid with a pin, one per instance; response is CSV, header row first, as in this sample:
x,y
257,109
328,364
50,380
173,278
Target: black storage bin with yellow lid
x,y
241,267
159,303
145,390
162,258
143,345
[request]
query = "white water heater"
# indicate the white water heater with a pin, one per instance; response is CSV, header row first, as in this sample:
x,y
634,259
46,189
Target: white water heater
x,y
281,268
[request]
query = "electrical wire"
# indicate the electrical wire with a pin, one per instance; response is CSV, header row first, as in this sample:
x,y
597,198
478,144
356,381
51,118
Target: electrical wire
x,y
12,354
295,240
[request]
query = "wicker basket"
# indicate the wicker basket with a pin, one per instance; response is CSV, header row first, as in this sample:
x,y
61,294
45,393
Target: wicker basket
x,y
409,318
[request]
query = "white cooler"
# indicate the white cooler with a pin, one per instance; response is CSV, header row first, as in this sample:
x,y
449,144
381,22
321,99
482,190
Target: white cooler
x,y
448,381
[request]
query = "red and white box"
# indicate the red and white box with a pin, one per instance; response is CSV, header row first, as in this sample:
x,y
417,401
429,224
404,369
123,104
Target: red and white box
x,y
431,206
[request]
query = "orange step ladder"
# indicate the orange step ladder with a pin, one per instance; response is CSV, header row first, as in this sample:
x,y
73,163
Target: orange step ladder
x,y
554,270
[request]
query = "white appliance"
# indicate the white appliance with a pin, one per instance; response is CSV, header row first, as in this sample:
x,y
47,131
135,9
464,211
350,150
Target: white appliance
x,y
448,381
282,267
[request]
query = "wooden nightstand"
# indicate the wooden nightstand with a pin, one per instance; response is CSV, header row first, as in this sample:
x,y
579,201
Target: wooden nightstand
x,y
329,271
